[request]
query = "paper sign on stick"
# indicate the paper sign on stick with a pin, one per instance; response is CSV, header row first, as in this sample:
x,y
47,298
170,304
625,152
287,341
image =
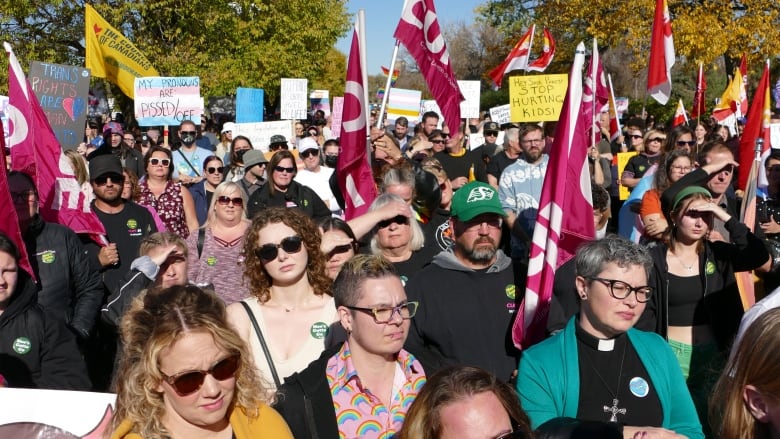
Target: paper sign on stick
x,y
537,98
470,90
295,99
259,133
500,114
167,100
335,117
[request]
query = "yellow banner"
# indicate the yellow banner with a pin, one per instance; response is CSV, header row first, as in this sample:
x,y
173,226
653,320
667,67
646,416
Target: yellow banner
x,y
112,56
622,161
536,98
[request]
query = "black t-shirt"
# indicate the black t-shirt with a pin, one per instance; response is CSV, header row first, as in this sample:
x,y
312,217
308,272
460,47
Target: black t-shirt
x,y
437,231
498,163
417,261
455,166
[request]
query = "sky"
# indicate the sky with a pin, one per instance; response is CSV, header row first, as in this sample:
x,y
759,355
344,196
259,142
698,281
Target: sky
x,y
382,17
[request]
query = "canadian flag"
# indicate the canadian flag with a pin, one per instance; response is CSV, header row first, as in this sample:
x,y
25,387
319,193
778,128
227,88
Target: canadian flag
x,y
659,76
516,60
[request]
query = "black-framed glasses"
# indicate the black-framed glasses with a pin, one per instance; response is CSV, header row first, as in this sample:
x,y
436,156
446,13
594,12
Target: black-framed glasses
x,y
491,134
385,314
224,200
437,141
620,290
115,178
187,383
217,170
156,162
309,153
277,147
289,170
686,142
269,252
398,219
533,141
189,133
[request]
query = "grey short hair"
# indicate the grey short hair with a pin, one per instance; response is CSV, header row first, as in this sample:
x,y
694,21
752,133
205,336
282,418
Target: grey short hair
x,y
592,257
511,134
418,238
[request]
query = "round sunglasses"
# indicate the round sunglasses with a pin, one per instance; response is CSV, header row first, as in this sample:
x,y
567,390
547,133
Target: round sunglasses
x,y
269,252
224,200
187,383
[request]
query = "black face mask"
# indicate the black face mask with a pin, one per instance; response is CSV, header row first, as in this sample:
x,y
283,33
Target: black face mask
x,y
240,154
331,160
188,140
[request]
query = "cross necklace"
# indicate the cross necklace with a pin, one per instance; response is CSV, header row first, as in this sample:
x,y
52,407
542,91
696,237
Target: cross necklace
x,y
614,410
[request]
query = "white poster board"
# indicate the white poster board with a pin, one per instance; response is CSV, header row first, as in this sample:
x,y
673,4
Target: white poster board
x,y
295,98
167,100
259,133
500,114
470,107
335,117
431,105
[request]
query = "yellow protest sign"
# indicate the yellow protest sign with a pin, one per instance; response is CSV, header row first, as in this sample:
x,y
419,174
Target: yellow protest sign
x,y
537,98
622,161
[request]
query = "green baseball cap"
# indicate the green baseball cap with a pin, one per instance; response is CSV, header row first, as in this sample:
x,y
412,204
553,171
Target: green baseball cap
x,y
474,199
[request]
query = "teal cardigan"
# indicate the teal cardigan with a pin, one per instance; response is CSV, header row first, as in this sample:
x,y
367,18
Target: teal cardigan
x,y
549,380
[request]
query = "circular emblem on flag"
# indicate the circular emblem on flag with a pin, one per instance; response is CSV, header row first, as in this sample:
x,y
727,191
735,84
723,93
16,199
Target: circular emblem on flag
x,y
132,224
22,345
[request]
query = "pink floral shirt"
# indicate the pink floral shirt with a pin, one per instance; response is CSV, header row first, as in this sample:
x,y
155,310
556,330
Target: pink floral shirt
x,y
359,413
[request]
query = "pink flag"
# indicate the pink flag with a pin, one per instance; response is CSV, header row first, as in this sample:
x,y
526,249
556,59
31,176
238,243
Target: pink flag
x,y
419,31
659,76
516,60
354,174
9,223
557,236
595,95
36,152
548,52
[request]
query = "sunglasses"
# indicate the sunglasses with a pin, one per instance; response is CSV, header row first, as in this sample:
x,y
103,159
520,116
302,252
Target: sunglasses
x,y
188,133
635,136
339,249
225,200
164,162
438,141
187,383
269,252
491,134
283,169
277,147
217,170
658,139
309,153
399,219
683,142
115,178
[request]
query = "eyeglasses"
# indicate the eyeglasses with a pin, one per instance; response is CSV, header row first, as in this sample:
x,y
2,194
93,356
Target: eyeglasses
x,y
277,147
658,139
533,141
156,162
187,383
309,153
491,134
225,200
385,315
437,141
620,290
339,249
635,136
217,170
115,179
289,170
399,219
22,197
188,133
269,252
684,143
681,168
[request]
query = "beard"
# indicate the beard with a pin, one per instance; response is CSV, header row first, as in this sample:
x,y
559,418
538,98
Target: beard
x,y
482,251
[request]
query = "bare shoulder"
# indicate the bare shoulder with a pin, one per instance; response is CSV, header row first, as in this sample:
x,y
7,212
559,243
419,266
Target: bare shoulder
x,y
236,316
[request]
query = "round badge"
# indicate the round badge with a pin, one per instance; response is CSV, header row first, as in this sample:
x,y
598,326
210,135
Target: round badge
x,y
709,268
319,330
639,387
510,291
22,345
211,261
47,257
132,224
641,168
404,280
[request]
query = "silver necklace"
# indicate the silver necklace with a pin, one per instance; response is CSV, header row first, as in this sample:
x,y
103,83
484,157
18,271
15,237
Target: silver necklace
x,y
687,267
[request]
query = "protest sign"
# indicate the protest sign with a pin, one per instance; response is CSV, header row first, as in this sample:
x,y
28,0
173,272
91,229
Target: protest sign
x,y
621,104
4,118
335,117
774,135
249,104
431,105
622,161
295,100
536,98
470,91
500,114
259,133
163,100
62,92
44,414
320,100
403,102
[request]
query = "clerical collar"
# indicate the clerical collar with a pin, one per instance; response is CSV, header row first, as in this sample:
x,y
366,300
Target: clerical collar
x,y
597,344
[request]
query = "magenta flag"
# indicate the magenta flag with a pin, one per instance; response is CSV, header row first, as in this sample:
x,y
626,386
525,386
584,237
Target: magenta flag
x,y
595,96
36,152
557,236
353,172
419,31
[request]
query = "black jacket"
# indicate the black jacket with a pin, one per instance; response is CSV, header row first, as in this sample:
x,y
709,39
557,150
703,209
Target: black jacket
x,y
303,197
70,288
305,401
36,349
717,265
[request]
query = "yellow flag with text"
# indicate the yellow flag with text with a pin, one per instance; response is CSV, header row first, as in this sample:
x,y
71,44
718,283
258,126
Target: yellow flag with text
x,y
112,56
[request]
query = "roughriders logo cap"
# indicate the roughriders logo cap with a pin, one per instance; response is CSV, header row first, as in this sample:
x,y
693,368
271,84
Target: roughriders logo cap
x,y
474,199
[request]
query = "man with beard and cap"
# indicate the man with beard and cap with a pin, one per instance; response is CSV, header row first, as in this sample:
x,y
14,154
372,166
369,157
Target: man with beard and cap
x,y
188,160
254,177
467,294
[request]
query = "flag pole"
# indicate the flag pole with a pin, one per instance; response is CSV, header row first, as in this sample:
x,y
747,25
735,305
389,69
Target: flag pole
x,y
612,96
361,26
389,78
593,68
699,79
530,46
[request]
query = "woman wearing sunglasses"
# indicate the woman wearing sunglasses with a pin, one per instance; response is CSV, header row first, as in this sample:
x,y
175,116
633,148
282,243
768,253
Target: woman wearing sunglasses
x,y
338,244
681,137
170,199
202,192
186,373
288,316
599,372
216,251
637,165
282,191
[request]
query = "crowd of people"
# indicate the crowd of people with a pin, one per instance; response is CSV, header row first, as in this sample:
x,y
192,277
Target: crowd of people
x,y
231,298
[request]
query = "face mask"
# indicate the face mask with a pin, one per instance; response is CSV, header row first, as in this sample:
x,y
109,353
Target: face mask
x,y
240,154
188,140
331,160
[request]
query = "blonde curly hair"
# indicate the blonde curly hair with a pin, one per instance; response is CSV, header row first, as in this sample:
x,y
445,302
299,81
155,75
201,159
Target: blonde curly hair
x,y
156,320
257,277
